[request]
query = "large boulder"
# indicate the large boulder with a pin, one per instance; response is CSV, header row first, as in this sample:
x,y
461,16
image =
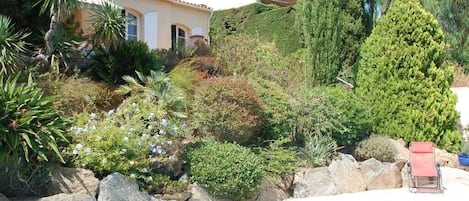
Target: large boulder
x,y
269,191
347,176
68,197
380,175
72,181
116,187
446,159
314,182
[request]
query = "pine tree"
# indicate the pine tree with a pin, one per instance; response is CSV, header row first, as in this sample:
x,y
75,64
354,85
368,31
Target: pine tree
x,y
403,76
319,23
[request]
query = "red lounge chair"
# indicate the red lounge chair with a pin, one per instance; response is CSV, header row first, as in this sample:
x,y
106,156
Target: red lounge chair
x,y
424,172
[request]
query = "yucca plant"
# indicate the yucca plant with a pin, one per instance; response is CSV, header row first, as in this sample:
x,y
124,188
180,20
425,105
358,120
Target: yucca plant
x,y
107,25
12,46
318,150
30,126
160,88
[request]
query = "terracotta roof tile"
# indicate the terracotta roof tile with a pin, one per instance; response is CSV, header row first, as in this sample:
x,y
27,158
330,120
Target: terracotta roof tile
x,y
203,6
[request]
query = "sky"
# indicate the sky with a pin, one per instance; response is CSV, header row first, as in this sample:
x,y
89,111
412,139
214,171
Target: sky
x,y
222,4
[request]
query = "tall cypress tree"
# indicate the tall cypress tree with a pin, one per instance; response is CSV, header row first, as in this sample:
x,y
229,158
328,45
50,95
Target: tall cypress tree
x,y
319,23
403,76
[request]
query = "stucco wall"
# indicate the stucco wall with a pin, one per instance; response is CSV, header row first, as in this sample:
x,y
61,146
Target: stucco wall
x,y
168,13
462,107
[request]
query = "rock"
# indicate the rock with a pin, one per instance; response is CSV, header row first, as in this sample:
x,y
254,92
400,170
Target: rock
x,y
347,157
199,194
116,187
270,192
72,181
446,159
402,153
405,176
177,196
184,178
3,198
314,182
379,175
68,197
346,175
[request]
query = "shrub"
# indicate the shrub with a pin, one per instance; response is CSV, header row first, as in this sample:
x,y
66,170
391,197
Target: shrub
x,y
31,128
277,110
318,150
378,147
352,113
185,78
465,148
228,109
278,158
227,170
403,76
78,94
127,58
140,139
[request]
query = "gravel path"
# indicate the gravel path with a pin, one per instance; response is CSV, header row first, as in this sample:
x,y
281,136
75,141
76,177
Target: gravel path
x,y
455,182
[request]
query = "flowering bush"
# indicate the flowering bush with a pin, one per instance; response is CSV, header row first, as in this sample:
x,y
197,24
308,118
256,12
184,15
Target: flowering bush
x,y
140,139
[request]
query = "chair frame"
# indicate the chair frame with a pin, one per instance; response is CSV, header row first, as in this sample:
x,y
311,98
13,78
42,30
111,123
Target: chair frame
x,y
414,182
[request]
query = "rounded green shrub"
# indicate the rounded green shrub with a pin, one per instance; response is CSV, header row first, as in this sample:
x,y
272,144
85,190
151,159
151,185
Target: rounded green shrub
x,y
403,76
378,147
227,170
277,110
228,109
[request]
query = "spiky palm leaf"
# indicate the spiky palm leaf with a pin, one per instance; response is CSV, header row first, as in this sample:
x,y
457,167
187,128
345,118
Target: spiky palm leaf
x,y
12,46
107,24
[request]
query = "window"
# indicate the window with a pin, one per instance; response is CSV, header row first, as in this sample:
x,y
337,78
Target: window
x,y
178,36
132,27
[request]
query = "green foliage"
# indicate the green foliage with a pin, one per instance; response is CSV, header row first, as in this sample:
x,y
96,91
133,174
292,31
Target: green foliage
x,y
245,55
353,114
227,170
12,47
30,126
107,25
125,59
318,150
315,115
378,147
228,109
277,110
267,22
320,25
403,76
78,94
353,33
278,158
185,78
465,148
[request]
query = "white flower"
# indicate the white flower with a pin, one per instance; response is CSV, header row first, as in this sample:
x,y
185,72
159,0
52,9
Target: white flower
x,y
150,127
175,128
104,161
184,125
110,112
124,151
164,122
145,170
151,116
125,139
93,116
170,143
93,128
134,105
133,176
99,138
139,143
75,152
78,131
78,146
162,132
150,178
87,98
132,162
87,151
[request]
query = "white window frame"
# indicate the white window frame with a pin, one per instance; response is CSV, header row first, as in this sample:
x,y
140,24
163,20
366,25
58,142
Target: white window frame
x,y
137,26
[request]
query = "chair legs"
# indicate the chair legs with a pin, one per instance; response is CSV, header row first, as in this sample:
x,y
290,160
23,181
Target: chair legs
x,y
429,185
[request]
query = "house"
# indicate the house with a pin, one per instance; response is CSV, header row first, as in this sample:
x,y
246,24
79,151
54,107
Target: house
x,y
162,24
